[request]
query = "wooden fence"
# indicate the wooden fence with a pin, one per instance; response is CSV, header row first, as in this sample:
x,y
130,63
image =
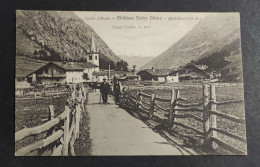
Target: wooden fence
x,y
38,93
179,110
62,130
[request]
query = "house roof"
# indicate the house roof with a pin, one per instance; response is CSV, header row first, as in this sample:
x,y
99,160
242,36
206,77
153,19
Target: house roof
x,y
75,66
25,66
156,72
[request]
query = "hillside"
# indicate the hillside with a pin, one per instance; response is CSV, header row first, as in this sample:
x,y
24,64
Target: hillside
x,y
217,35
57,35
25,66
136,60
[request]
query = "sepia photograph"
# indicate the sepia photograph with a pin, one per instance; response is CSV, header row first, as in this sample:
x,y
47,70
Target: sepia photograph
x,y
92,83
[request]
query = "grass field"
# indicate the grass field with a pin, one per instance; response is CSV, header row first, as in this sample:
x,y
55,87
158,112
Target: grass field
x,y
194,95
31,112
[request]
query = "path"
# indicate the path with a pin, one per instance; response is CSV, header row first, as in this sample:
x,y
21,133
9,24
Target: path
x,y
113,131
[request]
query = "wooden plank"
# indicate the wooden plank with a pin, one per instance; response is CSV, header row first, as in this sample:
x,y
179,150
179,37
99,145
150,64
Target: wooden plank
x,y
189,109
57,151
162,99
66,131
213,107
228,102
38,129
189,105
151,111
39,144
145,95
228,146
172,103
143,102
142,106
228,117
77,121
206,124
229,134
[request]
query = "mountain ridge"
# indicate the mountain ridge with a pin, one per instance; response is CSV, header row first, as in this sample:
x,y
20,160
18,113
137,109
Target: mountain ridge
x,y
201,40
58,33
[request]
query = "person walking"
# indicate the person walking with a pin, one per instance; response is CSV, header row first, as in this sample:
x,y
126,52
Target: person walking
x,y
104,89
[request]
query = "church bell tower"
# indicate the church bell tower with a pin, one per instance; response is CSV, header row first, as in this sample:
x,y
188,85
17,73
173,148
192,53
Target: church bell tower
x,y
93,55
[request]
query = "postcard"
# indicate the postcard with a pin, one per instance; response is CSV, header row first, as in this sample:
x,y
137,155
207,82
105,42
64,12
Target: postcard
x,y
128,84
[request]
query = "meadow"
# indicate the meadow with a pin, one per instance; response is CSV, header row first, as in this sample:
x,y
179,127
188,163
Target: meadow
x,y
34,112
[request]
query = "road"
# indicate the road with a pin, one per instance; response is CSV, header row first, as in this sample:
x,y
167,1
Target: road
x,y
113,131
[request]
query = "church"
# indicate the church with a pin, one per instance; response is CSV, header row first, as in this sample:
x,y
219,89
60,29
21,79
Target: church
x,y
67,72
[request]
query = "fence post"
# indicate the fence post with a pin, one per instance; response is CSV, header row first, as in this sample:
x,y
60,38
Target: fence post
x,y
151,106
141,98
177,95
171,107
51,116
77,116
128,98
206,124
137,102
213,118
66,131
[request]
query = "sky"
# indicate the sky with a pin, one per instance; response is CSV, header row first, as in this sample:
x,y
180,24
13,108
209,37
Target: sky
x,y
140,33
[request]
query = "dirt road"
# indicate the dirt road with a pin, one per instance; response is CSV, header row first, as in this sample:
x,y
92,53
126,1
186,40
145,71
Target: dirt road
x,y
115,132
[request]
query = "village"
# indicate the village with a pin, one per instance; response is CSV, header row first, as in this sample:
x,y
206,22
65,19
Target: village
x,y
67,73
56,80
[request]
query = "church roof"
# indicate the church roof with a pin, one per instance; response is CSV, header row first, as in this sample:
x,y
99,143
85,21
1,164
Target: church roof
x,y
92,45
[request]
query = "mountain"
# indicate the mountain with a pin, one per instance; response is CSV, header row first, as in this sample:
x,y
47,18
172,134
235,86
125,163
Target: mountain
x,y
139,61
211,41
57,35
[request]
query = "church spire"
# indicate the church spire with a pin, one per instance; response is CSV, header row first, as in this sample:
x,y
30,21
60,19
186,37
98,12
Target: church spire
x,y
92,46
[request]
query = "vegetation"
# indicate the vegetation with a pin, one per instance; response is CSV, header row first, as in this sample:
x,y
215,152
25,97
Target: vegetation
x,y
121,66
85,76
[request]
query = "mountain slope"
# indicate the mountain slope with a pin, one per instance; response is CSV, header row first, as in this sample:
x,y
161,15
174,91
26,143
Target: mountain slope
x,y
200,41
57,33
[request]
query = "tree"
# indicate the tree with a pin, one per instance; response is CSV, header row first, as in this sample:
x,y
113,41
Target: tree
x,y
85,76
134,66
35,52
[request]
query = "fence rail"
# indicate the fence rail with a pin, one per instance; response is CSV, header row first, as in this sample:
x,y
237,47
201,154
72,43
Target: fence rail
x,y
66,125
182,110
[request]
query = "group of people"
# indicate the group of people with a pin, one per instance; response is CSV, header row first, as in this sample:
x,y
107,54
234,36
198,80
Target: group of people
x,y
105,90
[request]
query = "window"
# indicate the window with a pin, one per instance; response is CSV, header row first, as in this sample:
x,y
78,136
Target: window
x,y
90,57
96,57
60,72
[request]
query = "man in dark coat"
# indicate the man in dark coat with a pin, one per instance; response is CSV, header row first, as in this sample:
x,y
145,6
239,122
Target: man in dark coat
x,y
105,90
117,88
